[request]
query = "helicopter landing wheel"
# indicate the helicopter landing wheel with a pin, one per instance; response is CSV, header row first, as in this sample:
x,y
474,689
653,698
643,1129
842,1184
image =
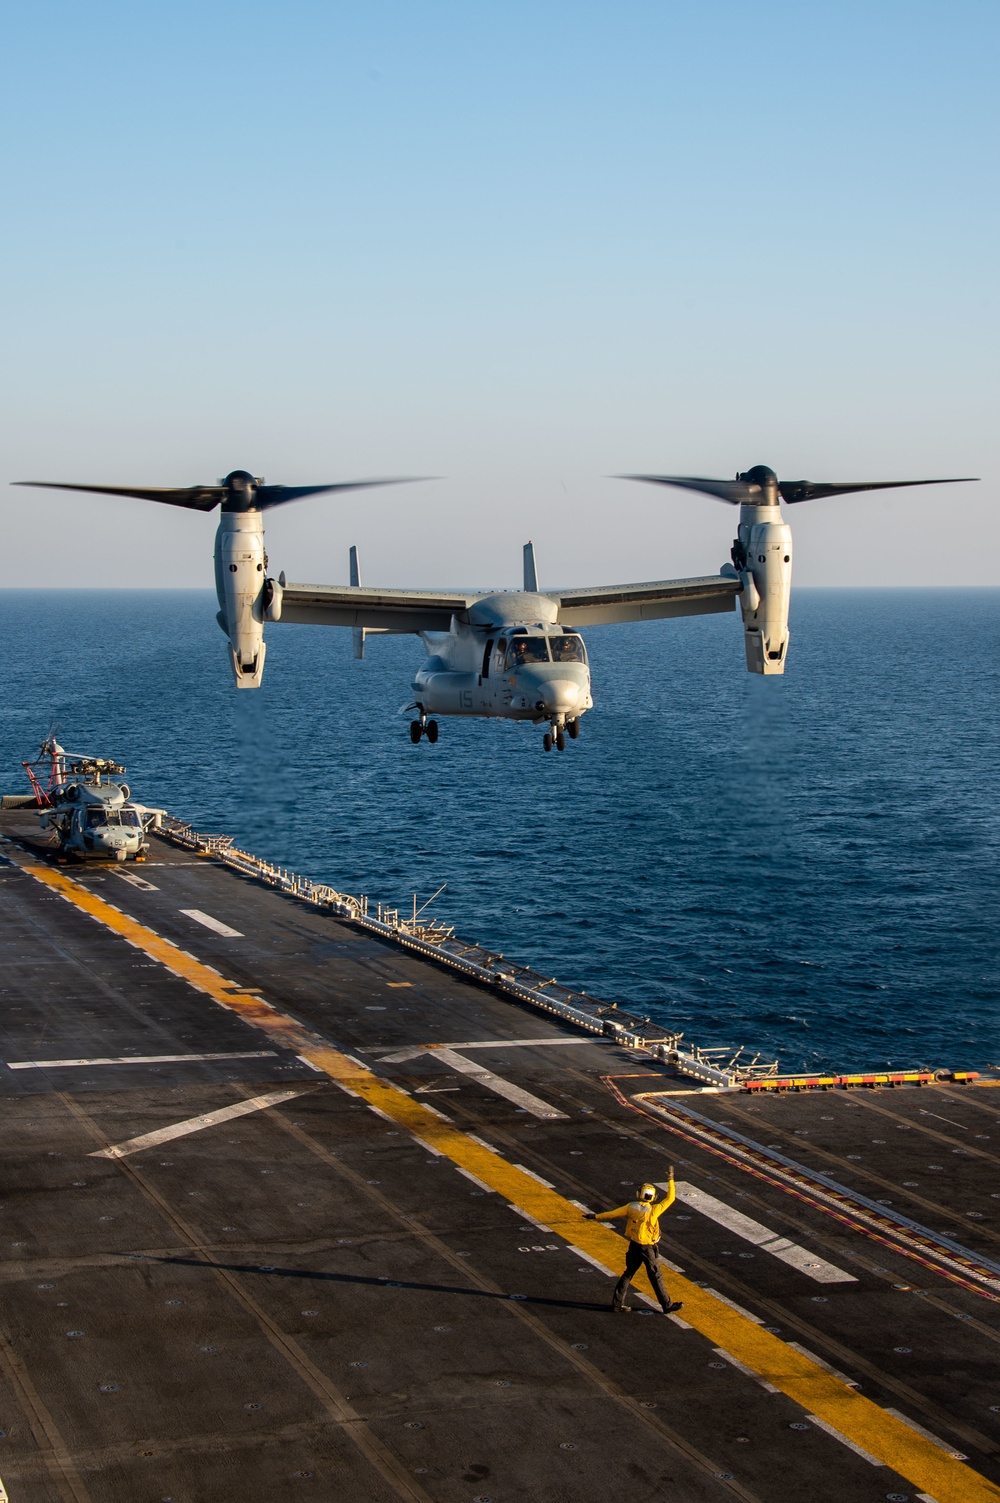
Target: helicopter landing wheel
x,y
432,731
546,742
573,728
560,741
416,731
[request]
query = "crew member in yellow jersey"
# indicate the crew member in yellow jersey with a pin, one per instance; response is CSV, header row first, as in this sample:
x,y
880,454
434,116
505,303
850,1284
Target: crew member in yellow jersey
x,y
642,1228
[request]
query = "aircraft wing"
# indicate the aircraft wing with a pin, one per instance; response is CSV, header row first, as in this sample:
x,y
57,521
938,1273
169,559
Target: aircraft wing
x,y
602,604
386,610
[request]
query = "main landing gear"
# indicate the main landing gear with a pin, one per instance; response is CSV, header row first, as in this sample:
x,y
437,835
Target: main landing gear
x,y
423,727
557,736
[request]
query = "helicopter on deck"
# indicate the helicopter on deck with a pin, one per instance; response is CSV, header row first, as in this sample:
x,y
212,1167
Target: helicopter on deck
x,y
89,810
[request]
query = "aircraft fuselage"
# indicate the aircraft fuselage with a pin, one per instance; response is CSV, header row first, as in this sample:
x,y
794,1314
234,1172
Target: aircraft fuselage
x,y
510,659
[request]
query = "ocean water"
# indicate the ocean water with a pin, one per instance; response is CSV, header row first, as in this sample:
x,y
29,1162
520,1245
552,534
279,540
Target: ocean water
x,y
806,865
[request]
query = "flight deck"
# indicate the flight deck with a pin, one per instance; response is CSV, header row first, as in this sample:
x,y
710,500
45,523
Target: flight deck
x,y
289,1211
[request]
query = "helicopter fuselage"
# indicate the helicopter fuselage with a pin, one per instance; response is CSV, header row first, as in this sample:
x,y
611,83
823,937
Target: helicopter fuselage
x,y
96,822
510,659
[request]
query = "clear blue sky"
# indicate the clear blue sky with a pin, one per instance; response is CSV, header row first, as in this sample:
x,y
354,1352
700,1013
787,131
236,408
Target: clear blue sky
x,y
518,246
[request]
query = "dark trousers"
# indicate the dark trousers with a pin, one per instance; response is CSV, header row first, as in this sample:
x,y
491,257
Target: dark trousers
x,y
637,1255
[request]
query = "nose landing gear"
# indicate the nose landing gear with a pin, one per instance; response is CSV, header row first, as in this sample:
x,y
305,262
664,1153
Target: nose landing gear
x,y
557,735
423,727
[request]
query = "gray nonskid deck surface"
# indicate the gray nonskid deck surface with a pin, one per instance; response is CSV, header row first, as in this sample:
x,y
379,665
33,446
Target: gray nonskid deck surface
x,y
304,1299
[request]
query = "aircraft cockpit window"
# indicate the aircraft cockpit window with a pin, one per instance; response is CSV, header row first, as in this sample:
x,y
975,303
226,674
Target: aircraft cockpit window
x,y
112,817
567,650
130,817
527,650
95,817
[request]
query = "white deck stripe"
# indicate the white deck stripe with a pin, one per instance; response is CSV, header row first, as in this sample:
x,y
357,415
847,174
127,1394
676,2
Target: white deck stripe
x,y
858,1450
587,1258
517,1043
216,925
935,1440
761,1236
193,1124
833,1371
137,1059
740,1310
526,1216
741,1367
532,1175
134,881
468,1174
498,1085
412,1051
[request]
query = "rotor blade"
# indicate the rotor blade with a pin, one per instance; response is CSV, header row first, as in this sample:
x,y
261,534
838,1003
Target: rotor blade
x,y
194,497
810,490
736,492
277,495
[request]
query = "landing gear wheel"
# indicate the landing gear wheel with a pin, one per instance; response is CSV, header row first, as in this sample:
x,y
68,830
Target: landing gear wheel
x,y
560,741
546,742
416,731
573,728
432,731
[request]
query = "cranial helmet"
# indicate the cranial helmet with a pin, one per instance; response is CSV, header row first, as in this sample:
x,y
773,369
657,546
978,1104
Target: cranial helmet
x,y
647,1192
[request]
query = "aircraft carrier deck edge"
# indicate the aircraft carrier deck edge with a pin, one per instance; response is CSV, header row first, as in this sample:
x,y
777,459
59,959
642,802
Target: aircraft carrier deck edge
x,y
289,1212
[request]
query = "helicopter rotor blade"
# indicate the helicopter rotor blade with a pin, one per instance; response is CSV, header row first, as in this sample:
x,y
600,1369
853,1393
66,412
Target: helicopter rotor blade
x,y
793,491
735,492
193,497
279,495
742,492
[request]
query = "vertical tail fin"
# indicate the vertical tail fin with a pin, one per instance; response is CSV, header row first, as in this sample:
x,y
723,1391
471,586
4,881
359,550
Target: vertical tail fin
x,y
358,632
530,572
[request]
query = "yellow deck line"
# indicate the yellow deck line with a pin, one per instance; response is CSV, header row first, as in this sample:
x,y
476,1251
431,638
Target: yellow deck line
x,y
857,1418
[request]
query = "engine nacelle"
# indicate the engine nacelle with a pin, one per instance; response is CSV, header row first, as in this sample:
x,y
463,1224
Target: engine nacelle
x,y
239,582
763,555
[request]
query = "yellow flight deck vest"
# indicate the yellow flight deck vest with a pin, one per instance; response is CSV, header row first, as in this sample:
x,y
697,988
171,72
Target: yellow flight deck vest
x,y
642,1222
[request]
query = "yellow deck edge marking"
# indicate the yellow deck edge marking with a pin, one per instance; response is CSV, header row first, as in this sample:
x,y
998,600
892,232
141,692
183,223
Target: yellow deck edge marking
x,y
857,1418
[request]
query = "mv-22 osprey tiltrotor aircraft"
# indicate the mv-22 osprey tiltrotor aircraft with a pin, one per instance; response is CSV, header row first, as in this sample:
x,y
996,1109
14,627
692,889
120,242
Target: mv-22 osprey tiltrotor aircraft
x,y
517,655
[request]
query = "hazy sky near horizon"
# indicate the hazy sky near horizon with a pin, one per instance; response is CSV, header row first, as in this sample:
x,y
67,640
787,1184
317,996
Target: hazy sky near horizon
x,y
522,247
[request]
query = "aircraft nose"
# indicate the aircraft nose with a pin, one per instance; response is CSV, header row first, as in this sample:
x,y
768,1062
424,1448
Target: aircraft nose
x,y
559,695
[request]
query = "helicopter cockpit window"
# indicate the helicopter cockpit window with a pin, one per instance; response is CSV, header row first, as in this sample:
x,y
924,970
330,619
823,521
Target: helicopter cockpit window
x,y
567,650
130,817
95,817
527,650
